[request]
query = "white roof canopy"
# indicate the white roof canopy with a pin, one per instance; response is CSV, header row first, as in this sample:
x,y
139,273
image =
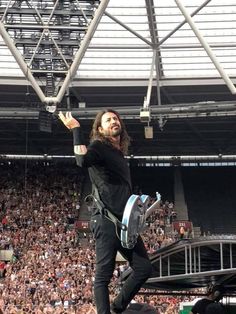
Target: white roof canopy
x,y
130,32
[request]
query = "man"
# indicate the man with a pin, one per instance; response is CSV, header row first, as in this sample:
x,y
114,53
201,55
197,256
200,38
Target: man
x,y
110,176
215,308
203,306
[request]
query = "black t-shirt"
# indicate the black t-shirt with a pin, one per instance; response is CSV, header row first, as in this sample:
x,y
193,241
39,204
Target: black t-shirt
x,y
109,172
201,305
215,308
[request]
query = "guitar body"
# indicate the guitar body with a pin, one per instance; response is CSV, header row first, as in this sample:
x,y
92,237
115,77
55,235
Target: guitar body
x,y
134,218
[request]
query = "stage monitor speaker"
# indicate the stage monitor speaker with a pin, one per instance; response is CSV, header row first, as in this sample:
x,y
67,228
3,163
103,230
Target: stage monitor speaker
x,y
140,308
45,121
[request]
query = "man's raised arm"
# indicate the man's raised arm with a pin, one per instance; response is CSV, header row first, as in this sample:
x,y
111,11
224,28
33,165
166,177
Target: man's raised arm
x,y
74,125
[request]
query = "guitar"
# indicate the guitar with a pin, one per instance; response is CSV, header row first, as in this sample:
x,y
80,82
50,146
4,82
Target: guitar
x,y
134,218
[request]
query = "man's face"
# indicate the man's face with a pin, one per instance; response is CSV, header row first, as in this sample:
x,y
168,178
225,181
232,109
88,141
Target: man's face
x,y
110,125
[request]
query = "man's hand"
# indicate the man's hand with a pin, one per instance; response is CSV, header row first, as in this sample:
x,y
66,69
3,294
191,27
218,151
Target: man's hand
x,y
68,120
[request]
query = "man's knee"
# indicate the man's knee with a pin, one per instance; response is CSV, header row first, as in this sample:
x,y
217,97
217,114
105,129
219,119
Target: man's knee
x,y
145,270
148,268
103,275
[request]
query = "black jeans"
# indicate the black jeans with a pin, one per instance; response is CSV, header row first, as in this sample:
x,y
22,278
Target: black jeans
x,y
107,244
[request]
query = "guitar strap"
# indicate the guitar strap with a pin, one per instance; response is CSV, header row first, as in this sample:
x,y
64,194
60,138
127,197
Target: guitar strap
x,y
104,211
133,220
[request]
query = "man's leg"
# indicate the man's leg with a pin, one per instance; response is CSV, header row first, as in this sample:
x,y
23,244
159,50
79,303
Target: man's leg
x,y
105,242
142,270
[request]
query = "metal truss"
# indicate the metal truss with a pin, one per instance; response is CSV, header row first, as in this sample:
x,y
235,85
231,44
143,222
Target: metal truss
x,y
193,263
48,40
196,263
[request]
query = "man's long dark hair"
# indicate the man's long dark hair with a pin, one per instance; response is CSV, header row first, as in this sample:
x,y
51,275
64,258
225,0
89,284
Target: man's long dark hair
x,y
96,135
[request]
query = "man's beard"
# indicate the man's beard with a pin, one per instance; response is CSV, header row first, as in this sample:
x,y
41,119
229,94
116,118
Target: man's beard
x,y
116,132
113,133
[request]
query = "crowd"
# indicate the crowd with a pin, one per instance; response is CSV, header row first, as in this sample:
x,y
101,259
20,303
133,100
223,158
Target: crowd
x,y
51,270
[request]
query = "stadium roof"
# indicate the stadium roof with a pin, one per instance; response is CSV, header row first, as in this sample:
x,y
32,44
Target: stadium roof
x,y
170,64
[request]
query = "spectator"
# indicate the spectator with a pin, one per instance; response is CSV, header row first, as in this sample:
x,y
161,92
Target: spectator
x,y
50,272
215,308
214,294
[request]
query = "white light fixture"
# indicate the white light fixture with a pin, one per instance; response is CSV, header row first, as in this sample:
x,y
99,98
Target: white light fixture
x,y
148,132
